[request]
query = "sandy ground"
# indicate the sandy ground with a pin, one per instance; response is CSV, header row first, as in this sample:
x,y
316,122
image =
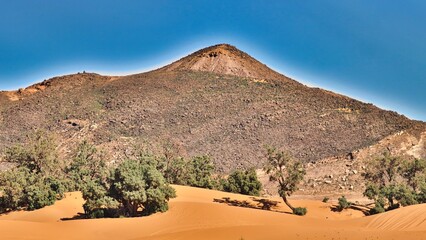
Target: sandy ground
x,y
195,215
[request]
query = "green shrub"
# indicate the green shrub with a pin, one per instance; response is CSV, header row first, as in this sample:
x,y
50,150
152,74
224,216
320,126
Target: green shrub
x,y
286,170
39,155
134,188
395,181
325,199
301,211
22,189
405,196
86,165
196,172
378,208
243,182
37,179
343,204
200,172
421,196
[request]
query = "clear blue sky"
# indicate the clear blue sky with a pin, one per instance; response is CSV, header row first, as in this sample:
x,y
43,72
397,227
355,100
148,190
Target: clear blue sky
x,y
371,50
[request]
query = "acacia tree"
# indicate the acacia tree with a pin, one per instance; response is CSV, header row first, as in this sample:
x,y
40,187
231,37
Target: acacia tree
x,y
134,188
286,171
87,164
243,182
200,172
39,155
415,173
394,181
36,180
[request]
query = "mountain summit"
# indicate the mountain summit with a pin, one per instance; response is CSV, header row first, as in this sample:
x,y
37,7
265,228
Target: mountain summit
x,y
224,59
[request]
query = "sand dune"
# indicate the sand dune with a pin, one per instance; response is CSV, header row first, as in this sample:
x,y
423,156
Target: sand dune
x,y
194,215
411,218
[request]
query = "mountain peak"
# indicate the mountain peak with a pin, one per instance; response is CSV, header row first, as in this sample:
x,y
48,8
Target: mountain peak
x,y
223,59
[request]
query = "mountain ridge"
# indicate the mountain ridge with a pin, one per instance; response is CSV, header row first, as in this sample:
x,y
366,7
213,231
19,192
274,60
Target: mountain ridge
x,y
227,115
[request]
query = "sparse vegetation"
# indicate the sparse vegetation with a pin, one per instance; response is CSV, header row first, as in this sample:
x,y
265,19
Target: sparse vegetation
x,y
200,172
243,182
284,169
87,165
343,203
393,181
36,180
196,171
301,211
325,199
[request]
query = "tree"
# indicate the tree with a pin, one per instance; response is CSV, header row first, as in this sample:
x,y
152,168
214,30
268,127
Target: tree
x,y
394,181
134,188
36,180
200,172
87,165
22,189
243,182
382,176
98,203
284,169
414,172
177,171
196,171
39,155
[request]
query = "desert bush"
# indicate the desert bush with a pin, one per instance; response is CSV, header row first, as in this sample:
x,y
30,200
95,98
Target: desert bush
x,y
37,179
393,181
176,171
378,208
343,204
243,182
301,211
197,171
22,189
325,199
98,204
39,155
86,165
200,172
405,196
134,188
421,196
284,169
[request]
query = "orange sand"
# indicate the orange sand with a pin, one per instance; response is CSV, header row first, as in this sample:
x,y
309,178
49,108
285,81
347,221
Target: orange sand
x,y
194,215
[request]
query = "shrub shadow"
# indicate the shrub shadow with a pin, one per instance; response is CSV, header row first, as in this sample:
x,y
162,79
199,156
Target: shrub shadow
x,y
257,203
75,217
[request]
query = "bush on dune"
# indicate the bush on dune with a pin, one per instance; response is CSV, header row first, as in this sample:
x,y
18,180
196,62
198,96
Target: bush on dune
x,y
287,171
394,180
301,211
36,181
243,182
87,164
133,189
343,203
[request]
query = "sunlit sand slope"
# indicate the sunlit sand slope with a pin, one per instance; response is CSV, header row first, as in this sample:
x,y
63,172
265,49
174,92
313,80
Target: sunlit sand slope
x,y
195,215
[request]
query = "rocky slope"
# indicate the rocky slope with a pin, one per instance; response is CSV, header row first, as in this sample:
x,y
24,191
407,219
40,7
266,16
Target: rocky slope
x,y
217,101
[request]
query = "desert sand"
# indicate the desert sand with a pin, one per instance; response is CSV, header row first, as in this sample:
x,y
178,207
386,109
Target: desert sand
x,y
195,215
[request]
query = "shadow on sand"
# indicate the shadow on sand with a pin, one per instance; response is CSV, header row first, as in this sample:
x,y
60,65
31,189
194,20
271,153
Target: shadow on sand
x,y
257,203
362,208
76,217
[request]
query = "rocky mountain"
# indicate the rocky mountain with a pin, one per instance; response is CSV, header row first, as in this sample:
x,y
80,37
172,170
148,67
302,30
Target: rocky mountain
x,y
217,101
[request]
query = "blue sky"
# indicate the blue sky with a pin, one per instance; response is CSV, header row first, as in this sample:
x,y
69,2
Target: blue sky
x,y
374,51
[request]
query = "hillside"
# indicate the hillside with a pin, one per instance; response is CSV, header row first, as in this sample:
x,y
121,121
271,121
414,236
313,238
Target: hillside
x,y
217,101
194,214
